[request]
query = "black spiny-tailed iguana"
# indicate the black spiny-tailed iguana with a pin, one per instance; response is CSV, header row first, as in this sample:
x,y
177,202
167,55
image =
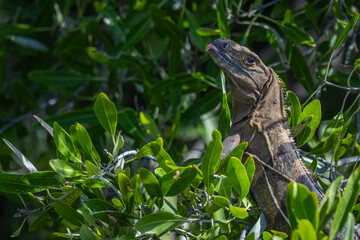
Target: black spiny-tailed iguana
x,y
260,119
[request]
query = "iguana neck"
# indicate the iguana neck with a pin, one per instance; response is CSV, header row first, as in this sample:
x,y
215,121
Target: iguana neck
x,y
267,131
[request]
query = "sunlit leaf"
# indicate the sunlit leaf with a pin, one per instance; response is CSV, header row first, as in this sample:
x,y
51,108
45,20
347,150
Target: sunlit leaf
x,y
22,160
64,144
296,34
68,213
222,20
177,180
238,212
159,222
330,202
106,113
346,203
237,174
351,24
238,152
294,106
151,185
149,124
211,159
301,204
216,203
65,169
313,109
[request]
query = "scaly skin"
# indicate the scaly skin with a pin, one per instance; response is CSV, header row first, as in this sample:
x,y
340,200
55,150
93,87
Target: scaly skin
x,y
260,119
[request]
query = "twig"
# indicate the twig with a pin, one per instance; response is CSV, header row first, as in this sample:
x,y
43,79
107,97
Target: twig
x,y
262,7
341,87
114,163
312,156
22,212
13,121
185,232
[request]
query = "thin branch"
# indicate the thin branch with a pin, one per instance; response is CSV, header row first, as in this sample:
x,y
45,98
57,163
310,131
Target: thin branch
x,y
262,7
341,87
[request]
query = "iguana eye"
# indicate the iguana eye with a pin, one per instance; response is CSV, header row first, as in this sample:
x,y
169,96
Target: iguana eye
x,y
250,61
225,45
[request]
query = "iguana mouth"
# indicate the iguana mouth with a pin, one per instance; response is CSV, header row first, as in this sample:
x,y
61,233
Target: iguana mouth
x,y
224,57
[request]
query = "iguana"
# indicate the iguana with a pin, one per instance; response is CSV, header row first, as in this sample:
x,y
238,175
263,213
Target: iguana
x,y
260,119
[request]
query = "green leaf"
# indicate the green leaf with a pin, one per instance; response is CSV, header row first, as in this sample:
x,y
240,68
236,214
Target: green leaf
x,y
203,31
237,174
224,118
331,134
137,33
87,234
113,19
151,185
301,204
300,126
126,190
238,212
159,222
266,235
350,224
202,105
250,167
62,78
83,141
64,144
195,38
68,213
65,169
91,168
312,109
357,63
211,159
96,205
129,123
295,108
29,43
46,217
22,159
166,25
12,183
44,179
299,65
156,149
45,125
177,180
174,57
222,21
216,203
17,231
135,185
149,124
346,203
296,34
106,113
259,227
330,202
306,229
224,187
238,152
351,24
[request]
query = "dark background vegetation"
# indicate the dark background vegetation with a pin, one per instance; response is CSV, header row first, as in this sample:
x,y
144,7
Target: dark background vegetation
x,y
149,56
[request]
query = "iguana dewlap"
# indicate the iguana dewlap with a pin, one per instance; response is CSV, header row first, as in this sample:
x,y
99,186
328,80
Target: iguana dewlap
x,y
260,119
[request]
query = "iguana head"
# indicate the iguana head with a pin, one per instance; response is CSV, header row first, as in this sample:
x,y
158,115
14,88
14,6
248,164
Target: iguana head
x,y
248,75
